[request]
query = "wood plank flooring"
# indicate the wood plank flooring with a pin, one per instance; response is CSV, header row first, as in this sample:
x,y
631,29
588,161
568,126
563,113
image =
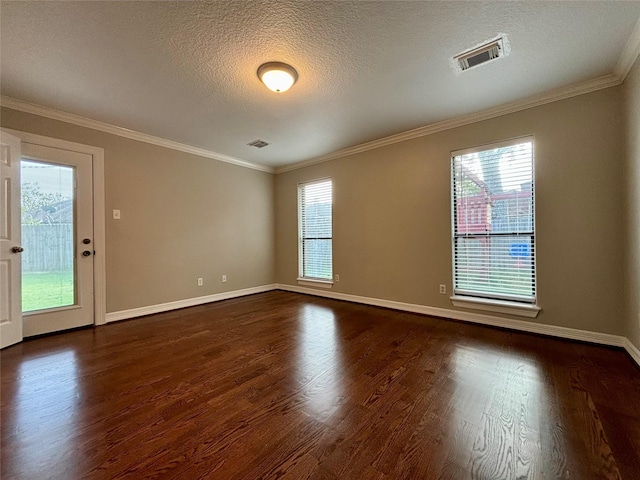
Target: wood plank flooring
x,y
288,386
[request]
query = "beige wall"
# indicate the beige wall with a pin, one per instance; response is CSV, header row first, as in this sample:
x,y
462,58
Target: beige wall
x,y
392,230
183,217
632,284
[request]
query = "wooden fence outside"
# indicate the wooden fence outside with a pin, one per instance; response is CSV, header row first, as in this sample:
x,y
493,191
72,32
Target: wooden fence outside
x,y
47,248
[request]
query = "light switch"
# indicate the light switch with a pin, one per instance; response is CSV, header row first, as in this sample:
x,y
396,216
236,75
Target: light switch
x,y
116,214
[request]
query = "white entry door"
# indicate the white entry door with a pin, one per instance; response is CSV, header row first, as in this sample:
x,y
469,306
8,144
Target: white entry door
x,y
58,240
10,249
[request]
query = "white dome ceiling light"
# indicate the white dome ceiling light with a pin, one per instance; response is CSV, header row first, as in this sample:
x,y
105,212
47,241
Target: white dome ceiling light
x,y
277,76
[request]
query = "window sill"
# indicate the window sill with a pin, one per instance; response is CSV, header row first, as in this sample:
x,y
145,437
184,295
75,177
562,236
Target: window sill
x,y
496,306
315,282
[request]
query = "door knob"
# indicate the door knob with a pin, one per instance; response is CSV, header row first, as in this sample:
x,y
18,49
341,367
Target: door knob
x,y
17,249
86,253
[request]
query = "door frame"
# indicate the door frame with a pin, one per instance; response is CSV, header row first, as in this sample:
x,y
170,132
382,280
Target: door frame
x,y
99,237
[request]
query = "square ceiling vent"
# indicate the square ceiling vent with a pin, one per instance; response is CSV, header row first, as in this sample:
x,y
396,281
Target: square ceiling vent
x,y
258,143
486,52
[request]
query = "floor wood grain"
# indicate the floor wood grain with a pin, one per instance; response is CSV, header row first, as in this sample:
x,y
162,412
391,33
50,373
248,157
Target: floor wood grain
x,y
286,386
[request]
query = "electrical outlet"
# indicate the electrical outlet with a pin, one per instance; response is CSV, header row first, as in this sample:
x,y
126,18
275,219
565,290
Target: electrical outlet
x,y
224,278
337,278
443,289
200,282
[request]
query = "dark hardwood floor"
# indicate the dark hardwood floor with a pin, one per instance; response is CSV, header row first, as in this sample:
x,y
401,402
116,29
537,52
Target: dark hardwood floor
x,y
287,386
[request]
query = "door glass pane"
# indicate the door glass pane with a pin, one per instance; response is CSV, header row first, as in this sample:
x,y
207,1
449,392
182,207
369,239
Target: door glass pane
x,y
47,235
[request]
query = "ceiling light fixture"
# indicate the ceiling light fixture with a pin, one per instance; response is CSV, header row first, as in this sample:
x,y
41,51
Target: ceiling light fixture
x,y
277,76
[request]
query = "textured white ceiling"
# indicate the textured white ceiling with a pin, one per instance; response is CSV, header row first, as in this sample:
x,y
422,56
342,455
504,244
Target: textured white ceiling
x,y
186,71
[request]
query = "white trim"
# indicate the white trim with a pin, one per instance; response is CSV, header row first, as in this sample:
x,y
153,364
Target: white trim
x,y
551,330
464,299
632,350
629,54
315,282
54,114
563,93
314,181
581,88
496,306
189,302
302,279
99,240
520,325
495,145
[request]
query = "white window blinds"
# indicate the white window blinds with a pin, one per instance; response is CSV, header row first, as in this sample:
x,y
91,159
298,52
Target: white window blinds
x,y
315,231
493,222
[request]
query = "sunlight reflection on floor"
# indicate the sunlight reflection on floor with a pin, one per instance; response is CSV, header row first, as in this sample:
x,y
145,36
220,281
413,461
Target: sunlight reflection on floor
x,y
488,387
50,380
319,362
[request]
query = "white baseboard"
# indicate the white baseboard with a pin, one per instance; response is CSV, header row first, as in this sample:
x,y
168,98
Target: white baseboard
x,y
189,302
531,327
632,350
523,326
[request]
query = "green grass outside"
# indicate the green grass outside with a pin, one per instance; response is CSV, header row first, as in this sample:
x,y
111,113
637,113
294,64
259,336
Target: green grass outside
x,y
47,290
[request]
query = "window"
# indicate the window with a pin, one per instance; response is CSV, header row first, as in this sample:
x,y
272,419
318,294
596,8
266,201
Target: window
x,y
315,230
493,222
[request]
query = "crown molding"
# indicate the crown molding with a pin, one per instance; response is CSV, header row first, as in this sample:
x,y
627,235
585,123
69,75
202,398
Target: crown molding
x,y
563,93
629,54
54,114
551,96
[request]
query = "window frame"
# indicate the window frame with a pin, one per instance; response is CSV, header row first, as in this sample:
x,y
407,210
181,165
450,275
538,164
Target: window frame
x,y
499,303
302,279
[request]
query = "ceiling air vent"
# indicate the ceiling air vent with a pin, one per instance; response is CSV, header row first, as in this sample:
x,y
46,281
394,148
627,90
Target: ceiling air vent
x,y
482,54
258,143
